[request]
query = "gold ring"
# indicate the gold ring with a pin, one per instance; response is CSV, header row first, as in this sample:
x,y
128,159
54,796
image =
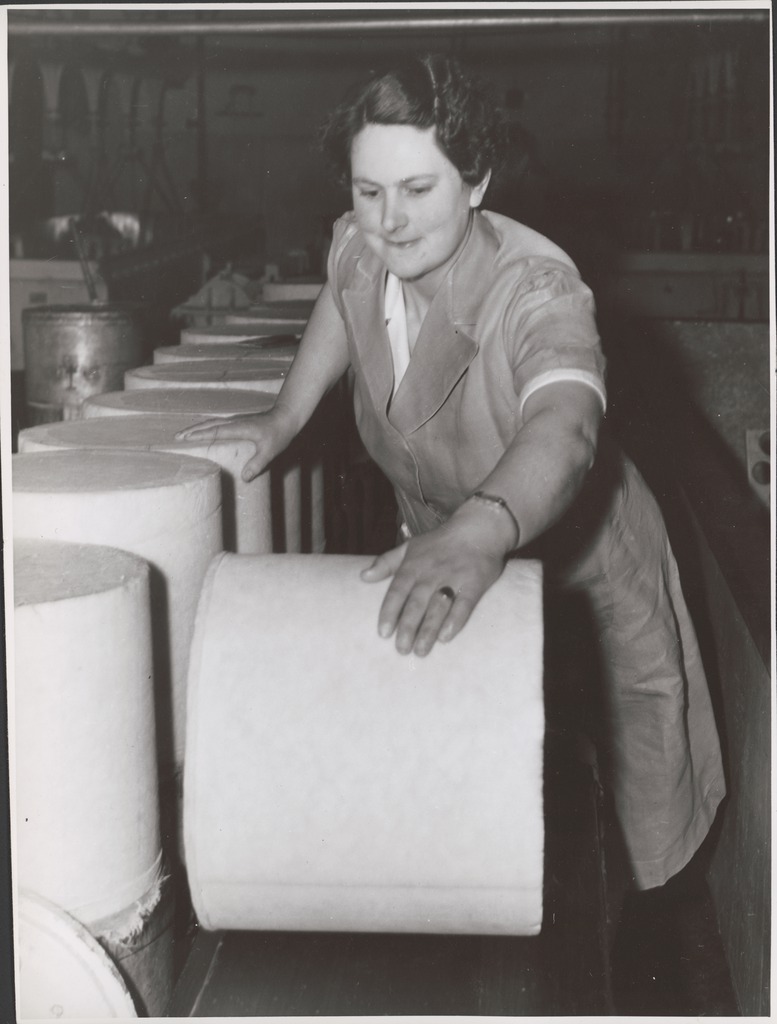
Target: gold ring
x,y
447,592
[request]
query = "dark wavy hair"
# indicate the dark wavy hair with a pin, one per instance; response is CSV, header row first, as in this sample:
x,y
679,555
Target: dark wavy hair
x,y
432,91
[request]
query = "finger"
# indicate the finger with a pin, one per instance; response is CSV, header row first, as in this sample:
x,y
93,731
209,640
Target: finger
x,y
254,467
394,603
413,613
457,618
209,430
437,612
385,565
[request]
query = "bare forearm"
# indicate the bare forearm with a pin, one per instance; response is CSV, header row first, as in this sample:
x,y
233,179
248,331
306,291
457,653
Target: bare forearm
x,y
321,360
543,471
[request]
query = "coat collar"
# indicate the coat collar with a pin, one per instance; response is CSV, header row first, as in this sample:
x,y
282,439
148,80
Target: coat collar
x,y
445,345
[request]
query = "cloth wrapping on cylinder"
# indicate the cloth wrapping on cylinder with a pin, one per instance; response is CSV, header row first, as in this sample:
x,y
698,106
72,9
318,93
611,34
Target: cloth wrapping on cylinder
x,y
164,508
246,505
209,373
86,809
242,351
229,334
141,942
332,784
178,401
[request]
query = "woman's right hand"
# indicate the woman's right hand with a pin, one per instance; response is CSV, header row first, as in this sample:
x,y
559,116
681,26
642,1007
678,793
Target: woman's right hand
x,y
269,432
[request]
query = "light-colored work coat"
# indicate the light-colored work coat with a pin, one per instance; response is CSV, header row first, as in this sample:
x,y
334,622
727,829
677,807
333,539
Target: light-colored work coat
x,y
511,316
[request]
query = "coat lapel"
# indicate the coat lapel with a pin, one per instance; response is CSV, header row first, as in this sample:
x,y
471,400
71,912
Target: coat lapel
x,y
365,305
446,344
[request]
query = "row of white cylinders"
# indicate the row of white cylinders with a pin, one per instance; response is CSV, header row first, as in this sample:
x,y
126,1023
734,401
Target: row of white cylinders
x,y
115,523
104,641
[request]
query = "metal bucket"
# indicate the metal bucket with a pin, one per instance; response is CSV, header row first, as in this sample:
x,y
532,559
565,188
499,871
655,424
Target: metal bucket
x,y
73,352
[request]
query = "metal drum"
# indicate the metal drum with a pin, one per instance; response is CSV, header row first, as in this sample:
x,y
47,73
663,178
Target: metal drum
x,y
73,352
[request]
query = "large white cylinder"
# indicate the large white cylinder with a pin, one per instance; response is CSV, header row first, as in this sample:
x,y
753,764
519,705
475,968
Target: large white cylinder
x,y
211,373
246,506
291,293
362,790
87,808
230,334
290,308
204,403
64,973
268,323
164,508
241,351
287,472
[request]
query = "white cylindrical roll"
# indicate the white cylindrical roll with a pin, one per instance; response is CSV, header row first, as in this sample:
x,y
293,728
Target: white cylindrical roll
x,y
64,973
211,373
164,508
290,308
291,292
240,351
199,404
270,323
87,809
230,334
246,506
362,790
204,402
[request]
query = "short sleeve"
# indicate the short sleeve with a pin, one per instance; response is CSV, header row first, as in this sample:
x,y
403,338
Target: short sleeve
x,y
551,333
343,231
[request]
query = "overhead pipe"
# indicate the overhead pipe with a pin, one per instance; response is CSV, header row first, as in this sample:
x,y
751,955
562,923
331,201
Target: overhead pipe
x,y
335,26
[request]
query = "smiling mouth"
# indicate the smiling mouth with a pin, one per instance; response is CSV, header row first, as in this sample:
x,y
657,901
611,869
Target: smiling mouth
x,y
400,245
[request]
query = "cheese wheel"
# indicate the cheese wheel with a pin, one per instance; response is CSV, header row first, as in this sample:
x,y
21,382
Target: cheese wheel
x,y
362,790
246,506
289,309
268,323
178,401
209,373
64,974
243,351
87,808
291,292
286,473
164,508
229,334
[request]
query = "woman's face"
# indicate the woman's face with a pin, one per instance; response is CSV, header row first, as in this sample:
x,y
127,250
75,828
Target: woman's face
x,y
410,201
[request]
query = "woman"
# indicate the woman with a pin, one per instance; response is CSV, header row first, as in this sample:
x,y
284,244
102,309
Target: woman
x,y
479,390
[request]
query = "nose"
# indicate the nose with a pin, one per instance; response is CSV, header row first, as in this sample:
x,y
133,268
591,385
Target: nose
x,y
394,215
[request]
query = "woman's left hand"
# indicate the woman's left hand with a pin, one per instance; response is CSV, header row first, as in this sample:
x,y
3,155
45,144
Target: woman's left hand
x,y
440,576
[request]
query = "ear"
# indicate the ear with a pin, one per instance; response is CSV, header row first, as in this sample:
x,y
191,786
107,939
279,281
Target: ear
x,y
479,190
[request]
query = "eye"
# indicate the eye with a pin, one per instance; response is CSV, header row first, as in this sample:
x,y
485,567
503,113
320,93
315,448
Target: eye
x,y
419,190
367,193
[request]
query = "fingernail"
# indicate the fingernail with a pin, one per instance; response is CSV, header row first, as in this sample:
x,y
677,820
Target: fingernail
x,y
384,630
445,633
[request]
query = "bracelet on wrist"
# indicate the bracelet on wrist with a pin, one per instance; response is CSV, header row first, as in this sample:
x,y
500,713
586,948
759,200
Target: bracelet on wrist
x,y
495,503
